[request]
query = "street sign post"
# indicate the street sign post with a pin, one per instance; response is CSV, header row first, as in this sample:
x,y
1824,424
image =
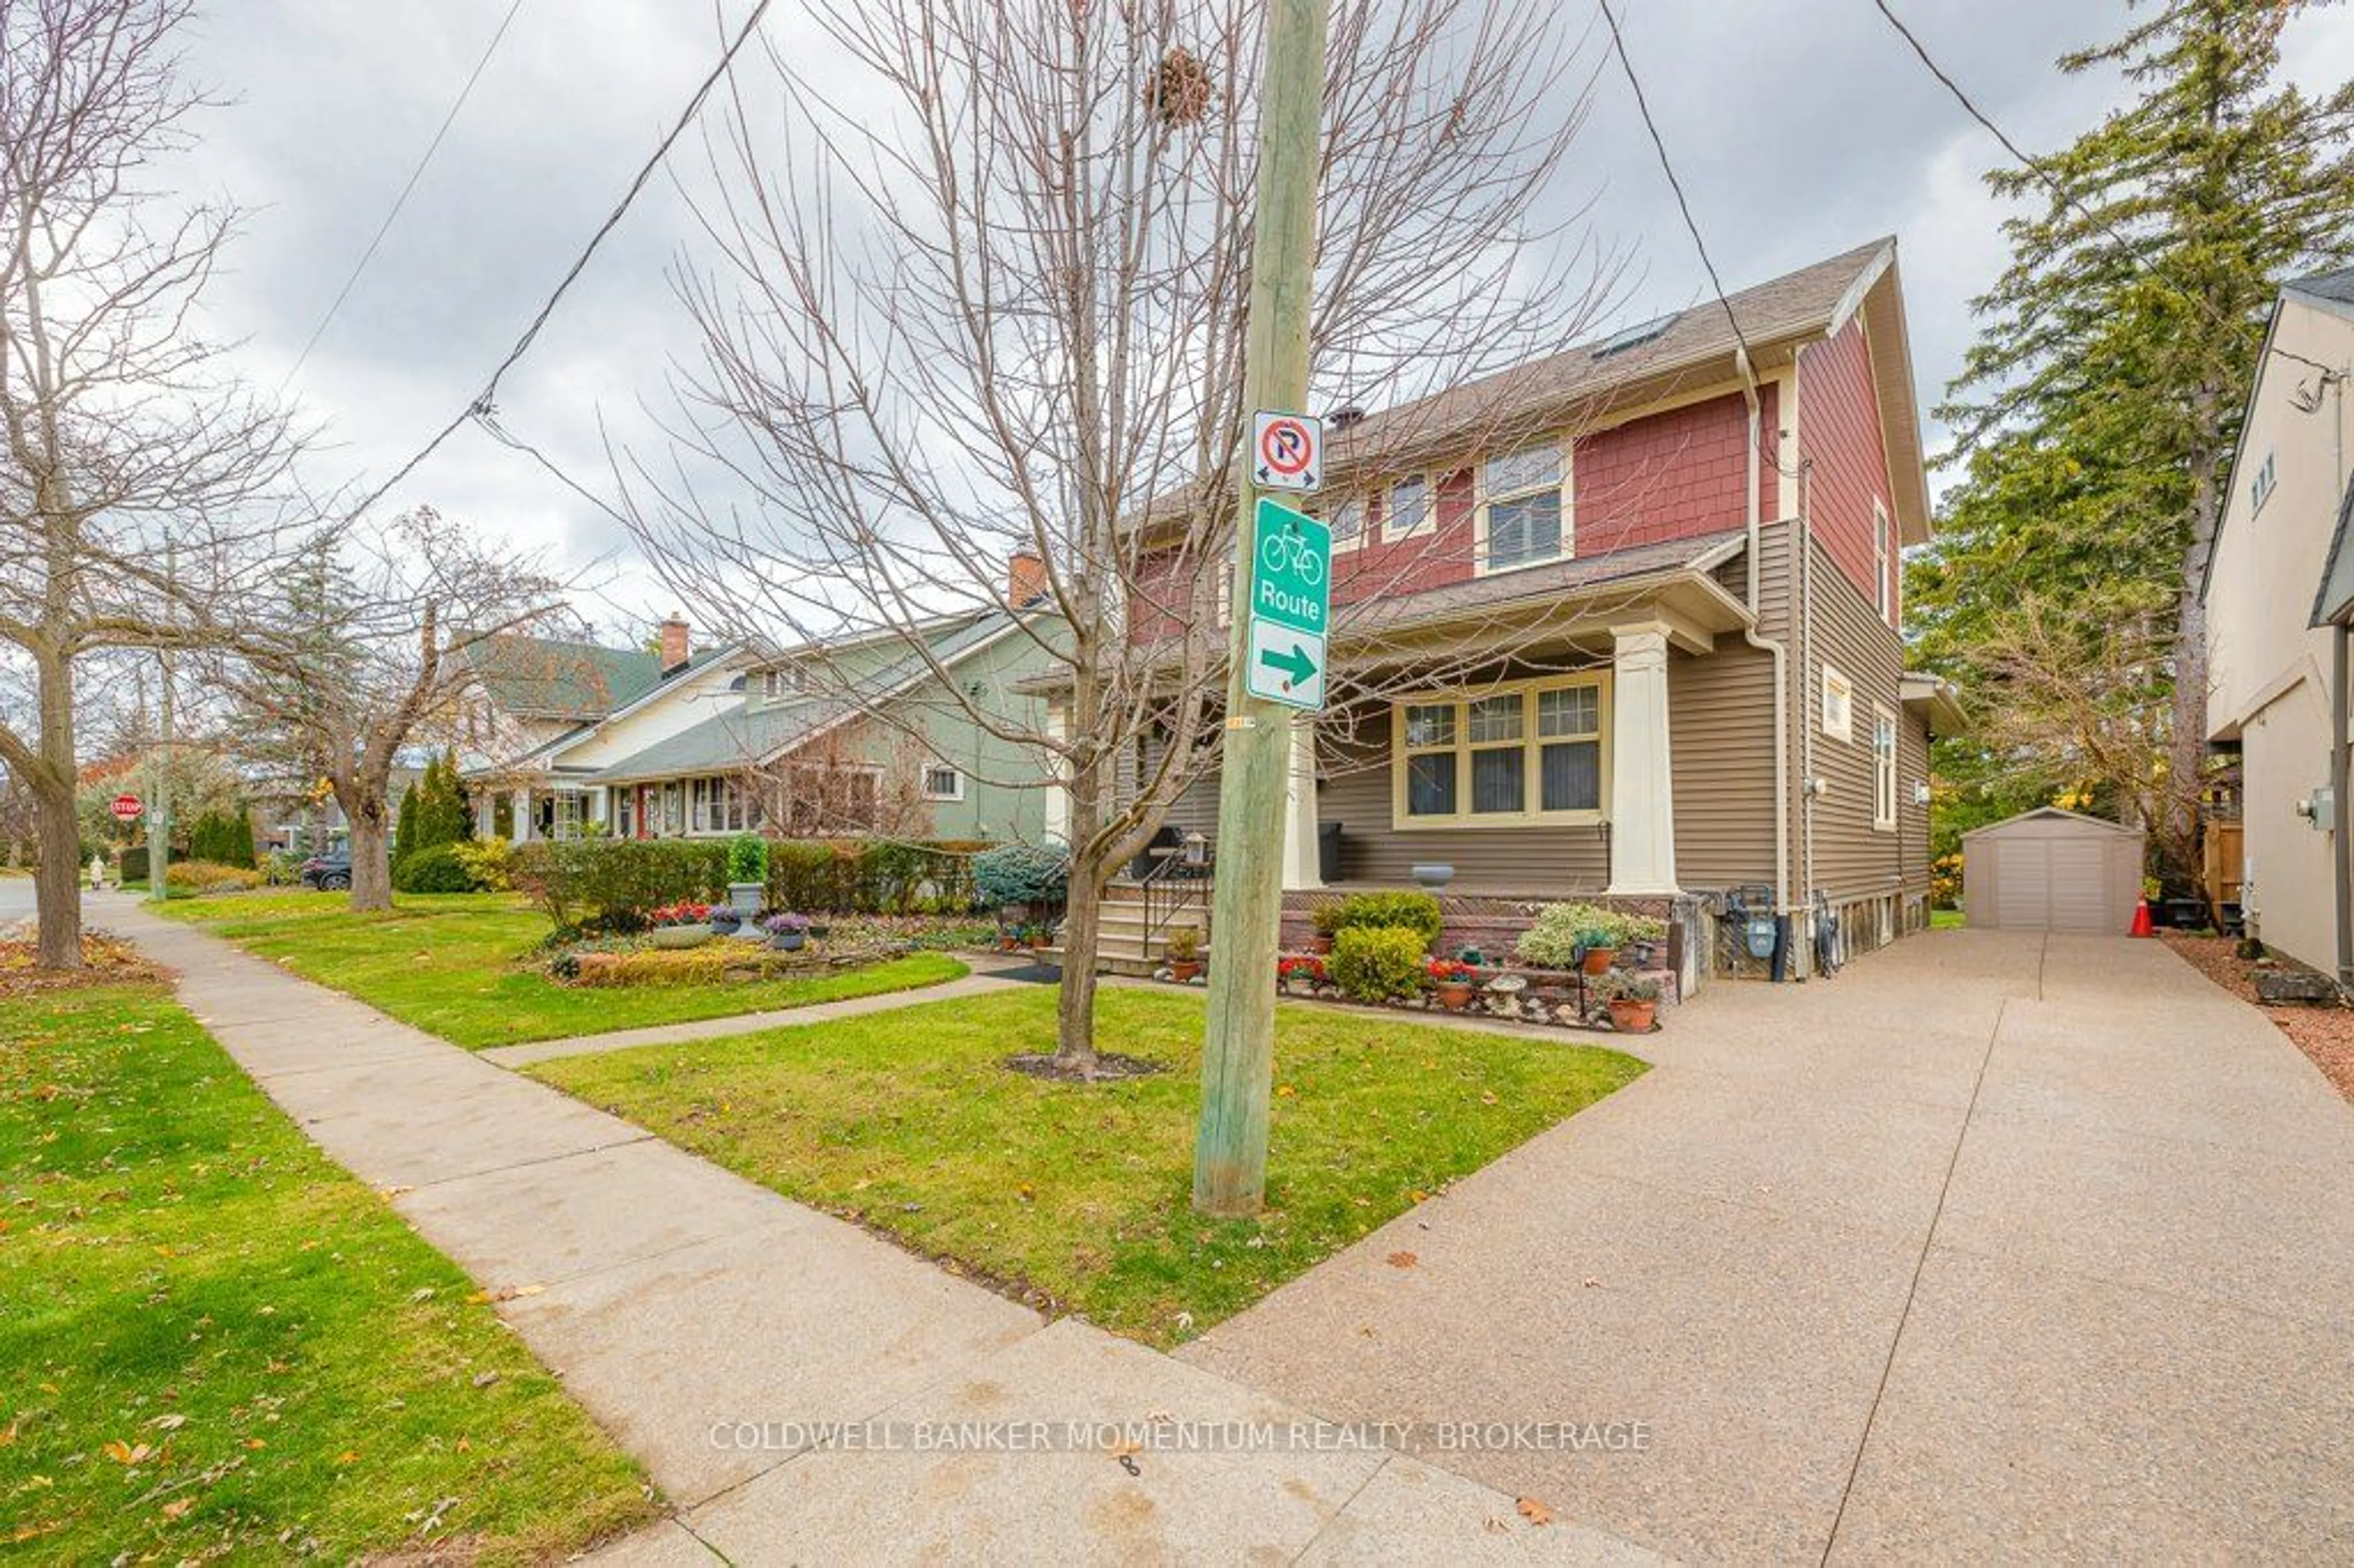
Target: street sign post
x,y
1287,450
126,808
1290,603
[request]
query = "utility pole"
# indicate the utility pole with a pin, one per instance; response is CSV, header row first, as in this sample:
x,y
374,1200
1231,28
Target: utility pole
x,y
1246,898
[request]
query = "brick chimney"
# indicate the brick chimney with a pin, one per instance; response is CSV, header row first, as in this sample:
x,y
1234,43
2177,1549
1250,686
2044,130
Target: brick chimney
x,y
1026,580
676,648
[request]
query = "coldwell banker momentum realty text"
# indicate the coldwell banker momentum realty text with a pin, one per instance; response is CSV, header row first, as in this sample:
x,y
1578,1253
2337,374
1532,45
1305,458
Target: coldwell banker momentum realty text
x,y
1156,1435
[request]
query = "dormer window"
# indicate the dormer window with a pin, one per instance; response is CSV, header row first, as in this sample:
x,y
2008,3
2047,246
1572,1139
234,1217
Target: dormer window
x,y
787,681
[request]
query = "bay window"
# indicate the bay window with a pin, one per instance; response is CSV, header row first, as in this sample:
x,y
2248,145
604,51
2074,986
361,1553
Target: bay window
x,y
1517,755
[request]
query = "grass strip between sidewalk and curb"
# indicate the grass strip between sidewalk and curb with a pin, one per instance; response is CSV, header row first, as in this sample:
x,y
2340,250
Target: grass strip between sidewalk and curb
x,y
1077,1198
221,1344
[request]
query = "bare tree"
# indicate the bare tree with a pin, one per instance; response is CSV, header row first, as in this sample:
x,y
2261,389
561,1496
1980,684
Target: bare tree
x,y
136,463
369,658
977,296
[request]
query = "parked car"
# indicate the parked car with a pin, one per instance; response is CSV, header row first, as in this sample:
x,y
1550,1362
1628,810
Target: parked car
x,y
328,872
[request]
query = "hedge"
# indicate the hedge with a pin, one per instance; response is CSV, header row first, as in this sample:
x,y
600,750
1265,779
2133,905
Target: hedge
x,y
436,868
617,880
1378,963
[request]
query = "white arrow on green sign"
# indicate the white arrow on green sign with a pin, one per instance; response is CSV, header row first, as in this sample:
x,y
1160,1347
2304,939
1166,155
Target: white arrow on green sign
x,y
1290,603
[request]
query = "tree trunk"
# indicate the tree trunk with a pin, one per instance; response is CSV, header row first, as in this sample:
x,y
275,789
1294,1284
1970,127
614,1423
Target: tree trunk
x,y
1074,1015
56,880
371,855
2186,758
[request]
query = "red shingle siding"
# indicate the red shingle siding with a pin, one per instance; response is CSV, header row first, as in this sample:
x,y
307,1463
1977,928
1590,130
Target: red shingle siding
x,y
1672,475
1838,430
1384,569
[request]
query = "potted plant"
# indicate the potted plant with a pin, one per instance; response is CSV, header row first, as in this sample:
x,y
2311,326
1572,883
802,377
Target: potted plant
x,y
1633,1000
1450,981
787,931
1300,974
1041,936
1326,919
748,874
1597,950
1184,943
686,924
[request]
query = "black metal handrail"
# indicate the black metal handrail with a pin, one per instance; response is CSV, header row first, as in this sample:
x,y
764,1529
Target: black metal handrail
x,y
1179,880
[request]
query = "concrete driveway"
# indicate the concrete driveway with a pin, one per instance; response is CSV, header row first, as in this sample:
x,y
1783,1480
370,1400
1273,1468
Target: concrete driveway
x,y
1992,1244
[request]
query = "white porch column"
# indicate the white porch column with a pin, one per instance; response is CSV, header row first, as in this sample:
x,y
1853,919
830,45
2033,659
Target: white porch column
x,y
1057,821
1301,872
1642,798
519,825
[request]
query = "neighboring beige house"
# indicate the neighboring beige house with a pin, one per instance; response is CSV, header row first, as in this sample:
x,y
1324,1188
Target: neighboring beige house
x,y
2269,647
858,736
1698,595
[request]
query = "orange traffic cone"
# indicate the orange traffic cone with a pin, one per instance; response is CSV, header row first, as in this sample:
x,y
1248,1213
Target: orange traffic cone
x,y
2141,926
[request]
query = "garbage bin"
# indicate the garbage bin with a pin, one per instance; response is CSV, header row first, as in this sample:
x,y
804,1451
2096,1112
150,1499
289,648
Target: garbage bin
x,y
1328,852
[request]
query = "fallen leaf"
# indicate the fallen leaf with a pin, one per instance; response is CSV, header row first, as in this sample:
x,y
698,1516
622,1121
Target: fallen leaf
x,y
1489,1097
7,1434
124,1453
1419,1196
1535,1511
255,1443
1403,1260
1285,1091
347,1457
484,1380
169,1423
177,1507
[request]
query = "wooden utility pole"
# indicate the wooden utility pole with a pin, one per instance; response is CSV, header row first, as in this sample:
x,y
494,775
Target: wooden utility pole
x,y
159,812
1247,899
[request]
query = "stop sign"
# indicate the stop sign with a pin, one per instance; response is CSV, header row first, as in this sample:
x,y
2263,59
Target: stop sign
x,y
127,807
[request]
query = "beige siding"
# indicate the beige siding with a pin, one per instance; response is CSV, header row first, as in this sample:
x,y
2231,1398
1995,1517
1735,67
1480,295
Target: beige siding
x,y
1912,820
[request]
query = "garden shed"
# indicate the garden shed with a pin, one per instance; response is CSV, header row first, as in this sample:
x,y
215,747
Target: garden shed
x,y
2051,870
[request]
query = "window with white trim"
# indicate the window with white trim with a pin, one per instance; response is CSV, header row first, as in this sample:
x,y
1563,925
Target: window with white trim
x,y
1524,508
715,806
776,684
1512,755
1883,548
1839,705
1406,511
943,782
1884,768
2262,485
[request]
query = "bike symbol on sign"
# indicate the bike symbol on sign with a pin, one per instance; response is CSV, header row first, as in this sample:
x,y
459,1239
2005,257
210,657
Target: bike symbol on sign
x,y
1291,553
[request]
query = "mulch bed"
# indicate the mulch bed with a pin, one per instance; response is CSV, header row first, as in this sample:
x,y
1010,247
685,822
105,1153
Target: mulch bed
x,y
2324,1034
107,960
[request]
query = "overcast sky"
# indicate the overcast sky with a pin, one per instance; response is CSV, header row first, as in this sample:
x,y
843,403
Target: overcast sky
x,y
1799,130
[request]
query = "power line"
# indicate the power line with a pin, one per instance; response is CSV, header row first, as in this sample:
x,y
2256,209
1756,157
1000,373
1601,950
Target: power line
x,y
1643,104
485,401
402,199
2061,192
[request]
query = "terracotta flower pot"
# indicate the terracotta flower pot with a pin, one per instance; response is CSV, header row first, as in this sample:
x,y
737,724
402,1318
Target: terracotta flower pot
x,y
1598,959
1454,998
1183,972
1632,1017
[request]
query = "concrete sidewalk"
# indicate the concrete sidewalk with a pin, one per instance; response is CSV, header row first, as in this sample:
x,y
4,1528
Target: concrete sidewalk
x,y
1991,1246
704,1320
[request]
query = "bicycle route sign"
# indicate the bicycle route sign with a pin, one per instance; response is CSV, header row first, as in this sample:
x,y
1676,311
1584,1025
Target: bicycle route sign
x,y
1290,603
1287,450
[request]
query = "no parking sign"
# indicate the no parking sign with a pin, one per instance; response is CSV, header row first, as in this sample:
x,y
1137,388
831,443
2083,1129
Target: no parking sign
x,y
1287,450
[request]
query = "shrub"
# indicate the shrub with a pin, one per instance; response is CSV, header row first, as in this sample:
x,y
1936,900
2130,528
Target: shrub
x,y
1022,873
1560,929
709,965
747,858
1377,963
1618,986
617,880
1326,918
436,868
134,864
221,838
282,868
208,876
1408,911
489,862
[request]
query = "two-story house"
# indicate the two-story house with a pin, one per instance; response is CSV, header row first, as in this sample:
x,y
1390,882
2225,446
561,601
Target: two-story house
x,y
2275,627
1626,622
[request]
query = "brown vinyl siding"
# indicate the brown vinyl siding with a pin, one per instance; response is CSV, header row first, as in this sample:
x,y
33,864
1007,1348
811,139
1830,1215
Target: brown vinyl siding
x,y
1851,859
1721,749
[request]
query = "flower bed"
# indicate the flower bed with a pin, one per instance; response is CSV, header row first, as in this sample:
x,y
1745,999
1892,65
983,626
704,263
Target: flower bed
x,y
1508,992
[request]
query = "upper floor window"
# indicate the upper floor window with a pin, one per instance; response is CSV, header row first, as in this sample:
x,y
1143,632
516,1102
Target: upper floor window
x,y
1884,768
2260,488
942,782
1523,513
1884,559
783,683
1408,510
1347,521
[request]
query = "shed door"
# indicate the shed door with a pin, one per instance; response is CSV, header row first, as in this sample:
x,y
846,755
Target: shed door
x,y
2055,884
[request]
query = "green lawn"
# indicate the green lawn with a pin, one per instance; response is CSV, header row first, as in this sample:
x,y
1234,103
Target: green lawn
x,y
218,1344
455,965
1946,920
1081,1195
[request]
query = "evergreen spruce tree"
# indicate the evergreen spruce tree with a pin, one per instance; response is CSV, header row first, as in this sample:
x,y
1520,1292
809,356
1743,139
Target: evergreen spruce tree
x,y
2098,410
403,833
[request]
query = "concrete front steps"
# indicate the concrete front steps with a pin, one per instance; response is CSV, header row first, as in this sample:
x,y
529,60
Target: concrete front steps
x,y
1123,946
